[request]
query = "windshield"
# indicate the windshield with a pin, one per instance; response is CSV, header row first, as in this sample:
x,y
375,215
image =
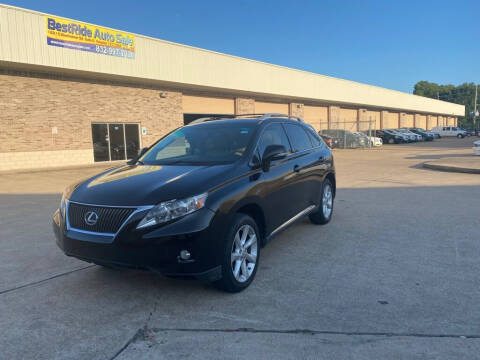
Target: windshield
x,y
205,144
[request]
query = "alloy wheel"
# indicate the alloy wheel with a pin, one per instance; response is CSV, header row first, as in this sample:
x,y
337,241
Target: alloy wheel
x,y
244,253
327,201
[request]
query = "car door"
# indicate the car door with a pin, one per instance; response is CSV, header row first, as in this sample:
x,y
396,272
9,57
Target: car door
x,y
308,169
275,185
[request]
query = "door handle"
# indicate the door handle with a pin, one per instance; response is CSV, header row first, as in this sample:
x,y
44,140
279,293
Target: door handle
x,y
296,168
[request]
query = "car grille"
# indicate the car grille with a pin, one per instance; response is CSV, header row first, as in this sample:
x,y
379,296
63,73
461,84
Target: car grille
x,y
110,219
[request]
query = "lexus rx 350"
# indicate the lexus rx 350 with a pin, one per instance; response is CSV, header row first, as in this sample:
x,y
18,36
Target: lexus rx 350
x,y
203,200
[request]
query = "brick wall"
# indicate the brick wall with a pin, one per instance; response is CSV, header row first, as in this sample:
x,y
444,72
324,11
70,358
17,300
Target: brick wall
x,y
244,106
296,109
44,159
32,106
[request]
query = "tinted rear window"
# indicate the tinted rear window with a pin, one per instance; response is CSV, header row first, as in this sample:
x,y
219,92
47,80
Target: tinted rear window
x,y
299,139
273,135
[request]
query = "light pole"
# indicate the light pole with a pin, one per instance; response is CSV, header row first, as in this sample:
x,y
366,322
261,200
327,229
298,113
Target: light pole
x,y
475,107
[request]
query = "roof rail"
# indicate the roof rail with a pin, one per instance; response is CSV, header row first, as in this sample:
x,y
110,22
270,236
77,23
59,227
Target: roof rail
x,y
259,116
200,120
275,115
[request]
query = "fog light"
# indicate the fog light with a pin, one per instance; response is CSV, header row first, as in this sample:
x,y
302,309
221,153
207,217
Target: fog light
x,y
185,255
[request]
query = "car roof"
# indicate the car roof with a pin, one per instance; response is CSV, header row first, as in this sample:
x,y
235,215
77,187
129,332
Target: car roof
x,y
249,119
256,119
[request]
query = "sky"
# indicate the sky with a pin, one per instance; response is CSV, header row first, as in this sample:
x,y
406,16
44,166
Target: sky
x,y
388,43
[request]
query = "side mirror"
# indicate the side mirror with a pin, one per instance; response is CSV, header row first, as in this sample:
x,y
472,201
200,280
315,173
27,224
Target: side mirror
x,y
272,153
135,159
143,151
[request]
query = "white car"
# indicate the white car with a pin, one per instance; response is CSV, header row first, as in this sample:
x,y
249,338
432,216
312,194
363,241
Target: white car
x,y
450,131
374,141
476,147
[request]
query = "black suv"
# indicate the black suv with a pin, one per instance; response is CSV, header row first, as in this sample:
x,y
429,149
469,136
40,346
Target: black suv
x,y
202,200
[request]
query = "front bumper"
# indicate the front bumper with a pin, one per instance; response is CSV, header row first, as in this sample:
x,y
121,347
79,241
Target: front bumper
x,y
156,248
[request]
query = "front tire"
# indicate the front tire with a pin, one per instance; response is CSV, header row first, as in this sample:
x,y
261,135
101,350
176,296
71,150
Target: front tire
x,y
324,213
460,136
241,255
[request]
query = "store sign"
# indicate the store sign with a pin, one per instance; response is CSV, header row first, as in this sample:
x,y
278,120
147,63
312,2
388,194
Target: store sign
x,y
84,37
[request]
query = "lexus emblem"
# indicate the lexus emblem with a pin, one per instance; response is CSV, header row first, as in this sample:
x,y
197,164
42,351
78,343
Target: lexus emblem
x,y
91,218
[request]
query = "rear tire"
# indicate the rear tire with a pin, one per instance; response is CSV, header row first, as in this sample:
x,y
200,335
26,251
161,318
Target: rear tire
x,y
391,141
241,255
324,213
460,136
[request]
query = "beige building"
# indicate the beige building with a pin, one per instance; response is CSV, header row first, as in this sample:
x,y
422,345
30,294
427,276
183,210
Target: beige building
x,y
74,93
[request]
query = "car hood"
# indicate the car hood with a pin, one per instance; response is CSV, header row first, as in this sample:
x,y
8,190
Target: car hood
x,y
138,185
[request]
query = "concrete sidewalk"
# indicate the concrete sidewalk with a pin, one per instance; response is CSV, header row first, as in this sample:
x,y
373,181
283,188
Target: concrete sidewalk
x,y
469,165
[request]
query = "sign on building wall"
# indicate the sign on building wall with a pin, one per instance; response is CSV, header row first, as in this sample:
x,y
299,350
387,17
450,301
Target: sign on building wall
x,y
75,35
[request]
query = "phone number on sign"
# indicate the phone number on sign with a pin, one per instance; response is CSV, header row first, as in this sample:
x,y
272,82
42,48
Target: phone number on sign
x,y
107,50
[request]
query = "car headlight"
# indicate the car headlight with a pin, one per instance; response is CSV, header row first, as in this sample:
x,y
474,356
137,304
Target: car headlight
x,y
172,209
63,205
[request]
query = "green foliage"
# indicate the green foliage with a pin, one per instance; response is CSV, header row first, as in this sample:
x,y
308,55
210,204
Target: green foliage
x,y
462,94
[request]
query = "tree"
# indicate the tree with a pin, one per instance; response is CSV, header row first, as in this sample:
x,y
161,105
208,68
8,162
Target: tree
x,y
463,94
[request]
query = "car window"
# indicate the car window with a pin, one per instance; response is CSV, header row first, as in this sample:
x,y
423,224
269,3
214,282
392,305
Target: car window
x,y
274,134
315,139
208,143
298,138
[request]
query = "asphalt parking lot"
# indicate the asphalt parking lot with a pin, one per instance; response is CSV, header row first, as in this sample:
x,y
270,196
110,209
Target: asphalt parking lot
x,y
395,275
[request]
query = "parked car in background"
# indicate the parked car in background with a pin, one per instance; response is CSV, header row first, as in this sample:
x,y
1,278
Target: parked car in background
x,y
472,131
466,132
434,134
425,135
346,138
376,141
408,138
332,142
372,141
362,138
450,131
476,147
415,136
389,137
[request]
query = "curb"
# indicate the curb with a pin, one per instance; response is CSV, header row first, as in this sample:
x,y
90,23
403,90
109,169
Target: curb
x,y
451,168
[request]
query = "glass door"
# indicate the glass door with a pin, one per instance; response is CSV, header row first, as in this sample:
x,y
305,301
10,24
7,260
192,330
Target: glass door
x,y
132,140
117,141
101,151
